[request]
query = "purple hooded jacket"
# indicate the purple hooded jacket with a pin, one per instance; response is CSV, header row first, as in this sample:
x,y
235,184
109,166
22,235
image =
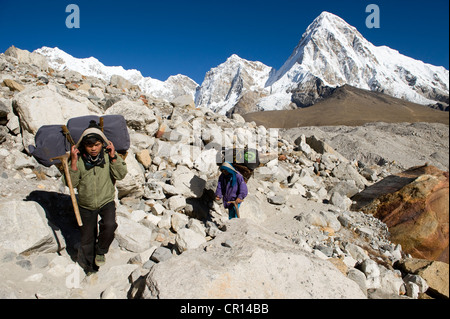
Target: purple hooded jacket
x,y
228,192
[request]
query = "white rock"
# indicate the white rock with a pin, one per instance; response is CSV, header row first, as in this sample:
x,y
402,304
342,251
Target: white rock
x,y
177,203
349,261
418,280
263,173
132,236
340,201
319,254
166,220
197,226
356,252
153,190
251,208
257,266
24,56
153,219
140,141
412,290
117,276
372,271
24,228
187,183
306,179
179,221
188,239
138,215
136,114
59,266
331,220
4,152
169,189
45,106
298,188
390,281
157,209
164,150
13,123
34,278
359,277
206,162
133,183
97,92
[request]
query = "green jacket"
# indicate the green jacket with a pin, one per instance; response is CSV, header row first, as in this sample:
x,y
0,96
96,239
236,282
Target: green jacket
x,y
96,187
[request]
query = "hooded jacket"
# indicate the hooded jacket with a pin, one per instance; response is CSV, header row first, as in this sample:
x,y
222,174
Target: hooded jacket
x,y
89,131
231,186
96,186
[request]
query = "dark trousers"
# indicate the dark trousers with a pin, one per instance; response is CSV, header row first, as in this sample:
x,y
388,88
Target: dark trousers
x,y
91,244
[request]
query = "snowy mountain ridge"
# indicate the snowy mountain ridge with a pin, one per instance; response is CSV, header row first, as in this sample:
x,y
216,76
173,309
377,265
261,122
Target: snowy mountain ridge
x,y
174,86
337,54
60,60
225,84
331,53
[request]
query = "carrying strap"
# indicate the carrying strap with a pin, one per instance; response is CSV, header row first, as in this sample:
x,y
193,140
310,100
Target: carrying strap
x,y
101,124
66,133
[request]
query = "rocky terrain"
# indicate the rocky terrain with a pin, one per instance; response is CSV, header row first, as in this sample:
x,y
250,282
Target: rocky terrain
x,y
298,237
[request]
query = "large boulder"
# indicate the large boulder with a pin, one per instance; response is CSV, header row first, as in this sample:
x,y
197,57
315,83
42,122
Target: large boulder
x,y
133,236
136,114
206,162
133,183
24,228
416,210
188,239
119,82
13,85
248,261
45,106
24,56
435,273
187,182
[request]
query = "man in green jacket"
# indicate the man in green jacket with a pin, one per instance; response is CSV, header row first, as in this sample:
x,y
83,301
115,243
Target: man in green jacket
x,y
94,174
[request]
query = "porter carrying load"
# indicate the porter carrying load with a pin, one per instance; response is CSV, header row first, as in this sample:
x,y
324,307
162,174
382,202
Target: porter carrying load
x,y
53,143
244,160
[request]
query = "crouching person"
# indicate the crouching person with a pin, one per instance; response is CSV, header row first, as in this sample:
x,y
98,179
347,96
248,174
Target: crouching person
x,y
232,188
94,168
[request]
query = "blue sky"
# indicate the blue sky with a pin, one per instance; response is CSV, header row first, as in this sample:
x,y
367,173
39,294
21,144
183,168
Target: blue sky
x,y
163,38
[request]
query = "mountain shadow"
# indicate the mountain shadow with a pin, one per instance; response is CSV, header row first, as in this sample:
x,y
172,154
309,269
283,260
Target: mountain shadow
x,y
350,106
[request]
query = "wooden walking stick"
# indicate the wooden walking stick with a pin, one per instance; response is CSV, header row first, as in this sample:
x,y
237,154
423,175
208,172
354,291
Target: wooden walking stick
x,y
236,207
64,160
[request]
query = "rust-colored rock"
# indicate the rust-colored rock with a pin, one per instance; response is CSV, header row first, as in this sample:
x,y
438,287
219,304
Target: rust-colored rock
x,y
161,130
13,85
417,214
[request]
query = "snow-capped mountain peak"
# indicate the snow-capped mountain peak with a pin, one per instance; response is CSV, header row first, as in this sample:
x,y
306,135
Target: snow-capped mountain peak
x,y
335,52
174,86
60,60
330,53
225,84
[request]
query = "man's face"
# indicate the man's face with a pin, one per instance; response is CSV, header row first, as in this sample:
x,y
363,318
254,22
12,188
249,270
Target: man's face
x,y
94,149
